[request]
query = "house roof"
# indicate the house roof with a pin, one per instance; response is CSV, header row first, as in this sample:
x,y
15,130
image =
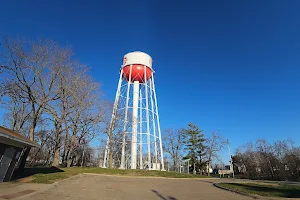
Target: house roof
x,y
12,135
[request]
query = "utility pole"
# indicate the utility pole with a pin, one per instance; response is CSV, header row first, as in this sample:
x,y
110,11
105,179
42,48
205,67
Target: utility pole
x,y
231,164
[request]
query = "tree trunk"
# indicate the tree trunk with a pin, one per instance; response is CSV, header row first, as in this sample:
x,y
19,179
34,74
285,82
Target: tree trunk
x,y
110,157
66,147
64,156
31,133
32,128
72,160
82,158
175,167
69,162
56,157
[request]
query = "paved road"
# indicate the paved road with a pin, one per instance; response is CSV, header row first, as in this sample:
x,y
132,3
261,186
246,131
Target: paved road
x,y
100,187
12,190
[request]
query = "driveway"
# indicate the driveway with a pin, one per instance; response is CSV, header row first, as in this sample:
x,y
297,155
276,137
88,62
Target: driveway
x,y
100,187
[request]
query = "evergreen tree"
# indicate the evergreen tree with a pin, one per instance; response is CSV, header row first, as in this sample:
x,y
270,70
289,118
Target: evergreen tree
x,y
194,142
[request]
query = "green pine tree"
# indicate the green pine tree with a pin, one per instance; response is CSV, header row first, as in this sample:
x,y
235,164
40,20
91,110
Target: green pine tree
x,y
194,145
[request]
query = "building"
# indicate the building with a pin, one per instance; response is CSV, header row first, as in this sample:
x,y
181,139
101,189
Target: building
x,y
12,148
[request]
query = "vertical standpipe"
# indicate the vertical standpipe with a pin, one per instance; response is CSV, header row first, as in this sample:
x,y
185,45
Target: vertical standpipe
x,y
135,112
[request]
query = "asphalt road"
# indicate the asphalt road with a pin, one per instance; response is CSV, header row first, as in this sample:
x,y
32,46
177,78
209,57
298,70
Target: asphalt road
x,y
100,187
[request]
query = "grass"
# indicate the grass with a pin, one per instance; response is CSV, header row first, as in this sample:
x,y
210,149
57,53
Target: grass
x,y
51,175
263,189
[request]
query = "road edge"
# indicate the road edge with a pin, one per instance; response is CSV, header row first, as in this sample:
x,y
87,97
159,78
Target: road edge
x,y
157,177
50,185
238,192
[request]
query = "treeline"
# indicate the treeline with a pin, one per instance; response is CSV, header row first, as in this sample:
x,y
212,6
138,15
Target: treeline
x,y
182,147
272,161
190,146
50,98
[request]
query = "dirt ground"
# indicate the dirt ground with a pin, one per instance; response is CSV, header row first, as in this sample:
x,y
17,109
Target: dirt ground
x,y
103,187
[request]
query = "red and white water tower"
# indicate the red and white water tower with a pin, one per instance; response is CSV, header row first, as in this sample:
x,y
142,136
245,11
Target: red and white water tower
x,y
135,107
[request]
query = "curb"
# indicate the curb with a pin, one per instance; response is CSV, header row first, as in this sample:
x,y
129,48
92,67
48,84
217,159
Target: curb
x,y
237,192
156,177
52,185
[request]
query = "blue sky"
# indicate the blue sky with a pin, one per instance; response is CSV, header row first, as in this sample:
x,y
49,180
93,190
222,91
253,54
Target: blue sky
x,y
227,65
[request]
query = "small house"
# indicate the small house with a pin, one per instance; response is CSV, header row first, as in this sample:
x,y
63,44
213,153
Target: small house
x,y
12,148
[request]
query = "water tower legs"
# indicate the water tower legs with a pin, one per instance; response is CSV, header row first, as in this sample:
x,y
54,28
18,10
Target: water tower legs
x,y
158,127
122,166
113,120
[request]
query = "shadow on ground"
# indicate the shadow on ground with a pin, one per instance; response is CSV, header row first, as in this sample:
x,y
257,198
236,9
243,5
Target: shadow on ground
x,y
162,197
35,170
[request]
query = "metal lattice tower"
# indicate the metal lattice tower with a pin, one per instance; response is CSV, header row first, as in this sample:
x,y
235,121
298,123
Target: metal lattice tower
x,y
135,107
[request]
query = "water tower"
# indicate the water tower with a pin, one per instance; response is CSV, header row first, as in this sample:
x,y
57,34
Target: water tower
x,y
135,107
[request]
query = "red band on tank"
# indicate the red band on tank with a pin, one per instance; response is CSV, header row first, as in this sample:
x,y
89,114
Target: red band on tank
x,y
138,73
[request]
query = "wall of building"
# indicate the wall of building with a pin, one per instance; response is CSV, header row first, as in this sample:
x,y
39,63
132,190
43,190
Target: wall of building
x,y
2,149
14,159
13,163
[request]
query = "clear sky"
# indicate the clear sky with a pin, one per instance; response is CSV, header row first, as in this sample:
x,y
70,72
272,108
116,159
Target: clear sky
x,y
227,65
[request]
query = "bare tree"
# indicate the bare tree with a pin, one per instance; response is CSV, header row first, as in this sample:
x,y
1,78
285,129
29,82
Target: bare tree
x,y
86,114
32,72
59,109
266,157
17,112
30,69
173,143
77,110
42,155
277,161
214,143
41,81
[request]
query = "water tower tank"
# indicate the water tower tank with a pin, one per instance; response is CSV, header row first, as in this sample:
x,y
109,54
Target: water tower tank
x,y
137,60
